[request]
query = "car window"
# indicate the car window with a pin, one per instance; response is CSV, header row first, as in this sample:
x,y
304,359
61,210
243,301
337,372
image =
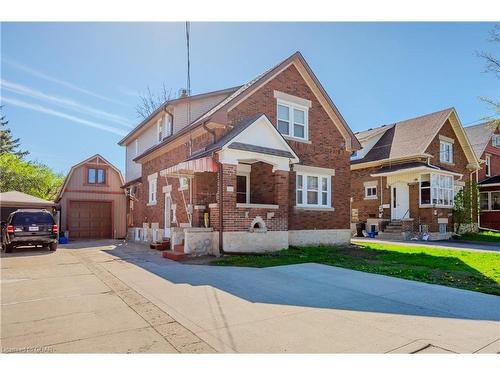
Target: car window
x,y
28,218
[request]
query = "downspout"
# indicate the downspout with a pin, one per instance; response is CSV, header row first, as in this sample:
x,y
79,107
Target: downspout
x,y
221,209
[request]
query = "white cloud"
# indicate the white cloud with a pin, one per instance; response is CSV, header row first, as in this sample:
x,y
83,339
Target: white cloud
x,y
51,112
61,82
64,102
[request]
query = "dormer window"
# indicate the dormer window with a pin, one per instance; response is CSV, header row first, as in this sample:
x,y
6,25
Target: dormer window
x,y
446,152
96,176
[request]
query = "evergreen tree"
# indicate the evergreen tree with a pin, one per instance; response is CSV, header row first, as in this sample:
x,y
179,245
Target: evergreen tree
x,y
8,145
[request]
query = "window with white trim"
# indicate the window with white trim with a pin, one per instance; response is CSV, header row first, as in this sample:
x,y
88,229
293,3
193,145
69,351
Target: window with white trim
x,y
313,190
168,126
487,166
152,190
495,140
292,120
370,192
436,189
446,152
183,183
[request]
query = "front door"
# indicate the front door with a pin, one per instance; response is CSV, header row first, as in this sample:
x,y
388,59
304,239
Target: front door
x,y
400,201
167,215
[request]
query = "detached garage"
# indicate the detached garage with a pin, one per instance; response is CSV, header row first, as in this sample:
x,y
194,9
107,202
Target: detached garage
x,y
93,204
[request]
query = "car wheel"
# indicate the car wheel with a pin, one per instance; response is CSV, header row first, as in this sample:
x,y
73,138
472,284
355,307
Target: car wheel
x,y
53,246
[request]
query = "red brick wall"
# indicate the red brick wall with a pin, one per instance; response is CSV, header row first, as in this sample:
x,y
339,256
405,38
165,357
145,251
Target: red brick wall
x,y
262,183
326,148
368,208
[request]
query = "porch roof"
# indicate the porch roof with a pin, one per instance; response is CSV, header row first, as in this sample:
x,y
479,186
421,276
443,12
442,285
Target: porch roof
x,y
411,167
491,181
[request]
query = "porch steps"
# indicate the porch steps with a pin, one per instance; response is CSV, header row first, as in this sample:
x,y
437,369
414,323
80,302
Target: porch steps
x,y
393,231
176,254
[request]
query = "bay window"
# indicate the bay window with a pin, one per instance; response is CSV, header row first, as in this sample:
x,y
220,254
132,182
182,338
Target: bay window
x,y
436,189
313,190
292,120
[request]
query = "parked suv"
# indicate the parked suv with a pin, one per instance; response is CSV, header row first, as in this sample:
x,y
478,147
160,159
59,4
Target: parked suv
x,y
29,228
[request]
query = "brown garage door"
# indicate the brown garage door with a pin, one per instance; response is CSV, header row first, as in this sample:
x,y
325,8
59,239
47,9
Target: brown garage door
x,y
89,219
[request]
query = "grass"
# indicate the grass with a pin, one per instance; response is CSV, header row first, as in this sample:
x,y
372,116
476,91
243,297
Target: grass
x,y
486,236
477,271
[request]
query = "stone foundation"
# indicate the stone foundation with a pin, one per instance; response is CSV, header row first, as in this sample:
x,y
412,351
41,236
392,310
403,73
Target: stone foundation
x,y
256,242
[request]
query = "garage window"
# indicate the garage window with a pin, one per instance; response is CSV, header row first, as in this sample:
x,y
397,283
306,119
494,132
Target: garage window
x,y
96,176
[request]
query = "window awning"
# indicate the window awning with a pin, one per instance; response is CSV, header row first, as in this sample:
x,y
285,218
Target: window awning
x,y
189,167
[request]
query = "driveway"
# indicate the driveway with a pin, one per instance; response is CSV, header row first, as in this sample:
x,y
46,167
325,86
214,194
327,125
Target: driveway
x,y
299,308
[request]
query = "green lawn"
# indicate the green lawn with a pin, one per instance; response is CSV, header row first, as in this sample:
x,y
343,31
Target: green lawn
x,y
478,271
486,236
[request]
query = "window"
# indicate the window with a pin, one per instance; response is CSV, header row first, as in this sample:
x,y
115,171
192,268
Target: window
x,y
292,120
495,140
159,130
443,228
243,188
436,189
152,190
168,125
313,191
446,152
487,167
96,176
136,147
489,201
370,192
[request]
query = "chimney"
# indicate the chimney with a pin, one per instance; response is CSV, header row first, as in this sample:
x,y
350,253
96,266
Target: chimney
x,y
183,93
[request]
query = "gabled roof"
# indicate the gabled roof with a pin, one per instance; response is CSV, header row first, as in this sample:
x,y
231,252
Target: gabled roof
x,y
229,140
412,137
68,177
18,199
479,136
220,110
143,123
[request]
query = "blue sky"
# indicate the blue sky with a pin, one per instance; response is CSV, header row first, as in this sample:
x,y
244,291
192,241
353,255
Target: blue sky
x,y
69,90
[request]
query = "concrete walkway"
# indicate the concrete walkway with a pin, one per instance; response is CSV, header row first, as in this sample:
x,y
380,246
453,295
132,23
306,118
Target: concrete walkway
x,y
301,308
448,245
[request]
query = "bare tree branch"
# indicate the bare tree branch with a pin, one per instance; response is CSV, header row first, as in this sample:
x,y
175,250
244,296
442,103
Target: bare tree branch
x,y
149,101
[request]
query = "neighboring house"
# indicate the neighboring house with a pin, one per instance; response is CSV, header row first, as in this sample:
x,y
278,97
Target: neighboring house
x,y
264,167
405,176
93,204
485,140
11,201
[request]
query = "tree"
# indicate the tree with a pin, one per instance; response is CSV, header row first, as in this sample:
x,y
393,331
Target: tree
x,y
493,67
32,178
149,101
7,143
465,206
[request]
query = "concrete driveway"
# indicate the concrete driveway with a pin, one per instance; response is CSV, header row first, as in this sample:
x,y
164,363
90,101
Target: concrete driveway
x,y
299,308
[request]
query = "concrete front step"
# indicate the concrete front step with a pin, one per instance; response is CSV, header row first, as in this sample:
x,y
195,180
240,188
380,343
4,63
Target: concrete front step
x,y
173,255
392,230
390,236
179,248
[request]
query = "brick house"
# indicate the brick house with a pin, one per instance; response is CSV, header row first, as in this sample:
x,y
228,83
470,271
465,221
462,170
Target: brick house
x,y
405,176
253,168
485,140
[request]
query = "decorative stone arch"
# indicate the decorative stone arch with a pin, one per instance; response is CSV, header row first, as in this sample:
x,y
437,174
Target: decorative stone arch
x,y
258,225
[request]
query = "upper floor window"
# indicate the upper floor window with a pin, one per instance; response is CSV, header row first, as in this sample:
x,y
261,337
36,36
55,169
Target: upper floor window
x,y
313,191
292,120
487,166
495,140
159,130
96,176
136,145
446,152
